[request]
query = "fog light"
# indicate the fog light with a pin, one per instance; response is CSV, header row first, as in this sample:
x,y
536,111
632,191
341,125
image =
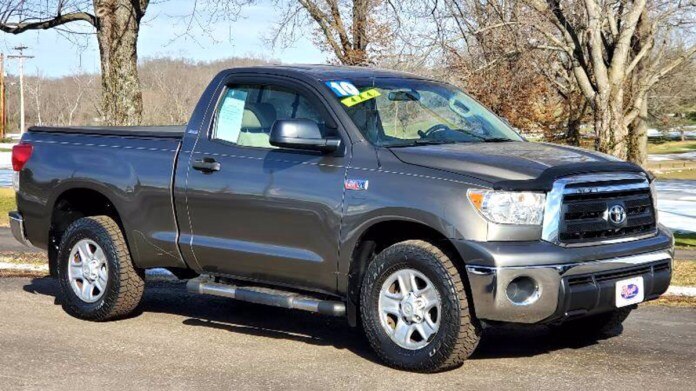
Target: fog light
x,y
522,291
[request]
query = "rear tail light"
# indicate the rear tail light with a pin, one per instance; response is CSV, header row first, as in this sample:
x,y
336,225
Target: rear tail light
x,y
20,155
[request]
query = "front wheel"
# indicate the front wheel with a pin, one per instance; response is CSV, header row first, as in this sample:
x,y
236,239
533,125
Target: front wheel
x,y
97,276
414,309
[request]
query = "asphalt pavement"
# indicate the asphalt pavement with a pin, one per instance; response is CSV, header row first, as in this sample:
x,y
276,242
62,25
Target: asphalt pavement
x,y
181,341
8,243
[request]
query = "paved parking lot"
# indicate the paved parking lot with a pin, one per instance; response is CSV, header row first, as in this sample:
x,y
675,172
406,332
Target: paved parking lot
x,y
181,341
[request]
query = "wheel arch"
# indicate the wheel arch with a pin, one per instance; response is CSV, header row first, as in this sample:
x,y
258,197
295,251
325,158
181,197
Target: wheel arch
x,y
72,203
383,233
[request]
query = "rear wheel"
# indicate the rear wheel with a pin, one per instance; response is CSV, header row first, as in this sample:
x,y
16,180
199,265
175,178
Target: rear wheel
x,y
97,276
414,309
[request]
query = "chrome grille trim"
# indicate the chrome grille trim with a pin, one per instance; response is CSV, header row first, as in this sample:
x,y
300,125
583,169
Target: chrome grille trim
x,y
561,187
607,189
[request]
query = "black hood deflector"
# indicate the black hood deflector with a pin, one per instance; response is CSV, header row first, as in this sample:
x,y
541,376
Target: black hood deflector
x,y
545,181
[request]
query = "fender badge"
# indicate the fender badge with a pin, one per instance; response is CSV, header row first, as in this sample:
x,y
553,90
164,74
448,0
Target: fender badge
x,y
356,184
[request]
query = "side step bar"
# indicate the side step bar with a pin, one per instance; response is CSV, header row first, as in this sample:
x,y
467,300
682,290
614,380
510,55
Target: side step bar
x,y
267,296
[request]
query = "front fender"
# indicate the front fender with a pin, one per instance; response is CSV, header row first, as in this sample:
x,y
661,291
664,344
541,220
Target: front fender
x,y
396,191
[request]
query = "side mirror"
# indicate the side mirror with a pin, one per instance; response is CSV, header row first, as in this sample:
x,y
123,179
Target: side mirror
x,y
301,134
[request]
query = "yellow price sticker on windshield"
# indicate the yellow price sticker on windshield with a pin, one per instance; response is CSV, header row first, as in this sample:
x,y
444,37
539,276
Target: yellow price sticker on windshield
x,y
361,97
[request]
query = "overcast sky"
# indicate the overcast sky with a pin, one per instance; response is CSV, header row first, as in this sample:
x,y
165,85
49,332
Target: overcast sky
x,y
55,55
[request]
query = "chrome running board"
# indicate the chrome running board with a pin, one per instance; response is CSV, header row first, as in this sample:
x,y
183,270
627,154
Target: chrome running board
x,y
266,296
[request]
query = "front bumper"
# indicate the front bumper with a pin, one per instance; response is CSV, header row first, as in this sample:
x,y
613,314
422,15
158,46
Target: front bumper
x,y
566,290
17,228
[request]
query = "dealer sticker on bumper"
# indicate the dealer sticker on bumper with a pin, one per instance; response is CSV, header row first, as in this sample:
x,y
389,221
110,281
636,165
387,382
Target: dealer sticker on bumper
x,y
629,291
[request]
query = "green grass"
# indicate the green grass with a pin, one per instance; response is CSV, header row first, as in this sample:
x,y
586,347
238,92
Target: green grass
x,y
687,240
7,204
671,147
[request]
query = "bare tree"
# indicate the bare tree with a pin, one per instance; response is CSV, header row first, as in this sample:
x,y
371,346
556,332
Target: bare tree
x,y
600,38
487,50
354,31
34,90
658,45
168,98
82,86
116,23
674,98
575,107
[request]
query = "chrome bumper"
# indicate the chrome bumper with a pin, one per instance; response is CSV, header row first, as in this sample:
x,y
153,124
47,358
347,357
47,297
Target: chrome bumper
x,y
558,297
17,228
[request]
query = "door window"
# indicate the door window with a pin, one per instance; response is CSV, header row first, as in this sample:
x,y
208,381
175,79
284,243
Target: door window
x,y
247,113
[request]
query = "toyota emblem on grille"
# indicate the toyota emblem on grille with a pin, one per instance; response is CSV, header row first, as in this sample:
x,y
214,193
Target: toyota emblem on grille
x,y
616,214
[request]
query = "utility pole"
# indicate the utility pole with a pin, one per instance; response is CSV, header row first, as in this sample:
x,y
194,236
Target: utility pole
x,y
21,58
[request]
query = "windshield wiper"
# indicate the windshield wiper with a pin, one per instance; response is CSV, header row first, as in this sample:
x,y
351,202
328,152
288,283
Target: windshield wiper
x,y
495,140
432,142
421,142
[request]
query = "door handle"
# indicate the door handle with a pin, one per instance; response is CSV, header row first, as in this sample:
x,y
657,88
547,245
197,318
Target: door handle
x,y
206,165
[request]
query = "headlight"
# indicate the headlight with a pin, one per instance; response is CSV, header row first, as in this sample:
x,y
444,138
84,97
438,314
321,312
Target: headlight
x,y
507,207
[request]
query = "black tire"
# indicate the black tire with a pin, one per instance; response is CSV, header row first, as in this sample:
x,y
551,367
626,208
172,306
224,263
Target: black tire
x,y
459,332
602,325
125,284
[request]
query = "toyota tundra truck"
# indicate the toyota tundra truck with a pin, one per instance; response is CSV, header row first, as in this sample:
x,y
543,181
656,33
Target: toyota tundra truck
x,y
395,201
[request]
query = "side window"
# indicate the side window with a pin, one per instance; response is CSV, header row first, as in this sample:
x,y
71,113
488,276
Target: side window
x,y
247,112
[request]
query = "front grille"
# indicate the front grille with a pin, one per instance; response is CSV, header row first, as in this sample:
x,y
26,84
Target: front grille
x,y
619,274
585,216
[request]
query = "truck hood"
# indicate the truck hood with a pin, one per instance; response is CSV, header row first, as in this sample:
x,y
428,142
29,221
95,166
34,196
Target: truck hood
x,y
494,162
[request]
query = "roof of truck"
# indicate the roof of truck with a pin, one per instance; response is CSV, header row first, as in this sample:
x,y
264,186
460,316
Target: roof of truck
x,y
326,72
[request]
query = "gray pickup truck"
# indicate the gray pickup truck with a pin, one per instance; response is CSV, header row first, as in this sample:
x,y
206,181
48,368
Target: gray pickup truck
x,y
395,201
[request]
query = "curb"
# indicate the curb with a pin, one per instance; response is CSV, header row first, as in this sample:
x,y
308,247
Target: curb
x,y
23,267
688,291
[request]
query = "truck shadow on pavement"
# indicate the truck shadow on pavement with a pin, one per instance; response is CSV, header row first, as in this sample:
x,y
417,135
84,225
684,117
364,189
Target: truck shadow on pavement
x,y
278,323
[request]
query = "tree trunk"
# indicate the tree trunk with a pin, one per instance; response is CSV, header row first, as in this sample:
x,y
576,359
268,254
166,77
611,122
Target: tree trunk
x,y
638,136
575,118
117,33
609,123
638,129
573,132
358,53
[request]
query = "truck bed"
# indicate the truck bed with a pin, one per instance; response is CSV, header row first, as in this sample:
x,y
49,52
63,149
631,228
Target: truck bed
x,y
132,165
176,132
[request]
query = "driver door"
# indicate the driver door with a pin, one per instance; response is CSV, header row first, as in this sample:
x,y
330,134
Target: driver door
x,y
270,215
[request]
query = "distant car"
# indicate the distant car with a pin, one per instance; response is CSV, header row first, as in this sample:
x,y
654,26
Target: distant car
x,y
396,201
654,133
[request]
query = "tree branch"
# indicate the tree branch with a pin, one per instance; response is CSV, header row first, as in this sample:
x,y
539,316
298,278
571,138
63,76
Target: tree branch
x,y
644,50
320,17
633,113
59,20
623,43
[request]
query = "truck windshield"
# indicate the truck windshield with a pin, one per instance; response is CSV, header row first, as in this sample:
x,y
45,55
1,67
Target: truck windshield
x,y
395,112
